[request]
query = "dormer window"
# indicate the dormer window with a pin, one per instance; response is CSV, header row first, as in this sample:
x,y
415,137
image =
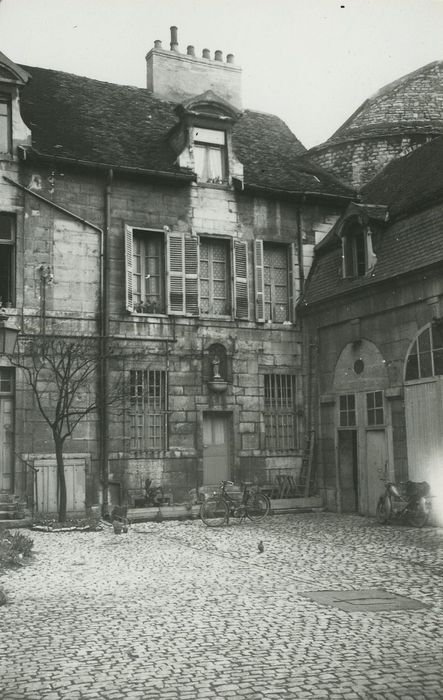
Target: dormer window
x,y
203,140
210,156
5,124
354,251
358,254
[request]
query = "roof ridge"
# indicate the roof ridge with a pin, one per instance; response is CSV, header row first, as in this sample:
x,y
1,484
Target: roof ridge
x,y
84,77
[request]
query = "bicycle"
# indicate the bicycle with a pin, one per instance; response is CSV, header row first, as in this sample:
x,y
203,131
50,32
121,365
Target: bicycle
x,y
414,506
218,508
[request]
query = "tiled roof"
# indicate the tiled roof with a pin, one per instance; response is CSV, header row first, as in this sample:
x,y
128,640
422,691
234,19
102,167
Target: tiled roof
x,y
408,182
412,188
116,125
413,103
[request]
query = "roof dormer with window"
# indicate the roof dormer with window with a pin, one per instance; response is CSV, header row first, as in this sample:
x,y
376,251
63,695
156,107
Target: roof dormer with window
x,y
13,131
204,140
357,232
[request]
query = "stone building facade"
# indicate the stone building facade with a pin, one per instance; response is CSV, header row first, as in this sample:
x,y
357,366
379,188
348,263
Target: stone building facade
x,y
177,229
372,315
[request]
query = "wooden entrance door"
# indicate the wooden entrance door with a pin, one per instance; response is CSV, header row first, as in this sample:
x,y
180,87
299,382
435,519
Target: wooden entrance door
x,y
348,470
6,443
376,459
216,447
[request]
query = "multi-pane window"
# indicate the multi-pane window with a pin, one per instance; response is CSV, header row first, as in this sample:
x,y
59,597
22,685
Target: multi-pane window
x,y
6,380
7,266
215,277
148,272
374,408
425,358
5,124
210,155
148,410
280,412
347,411
276,282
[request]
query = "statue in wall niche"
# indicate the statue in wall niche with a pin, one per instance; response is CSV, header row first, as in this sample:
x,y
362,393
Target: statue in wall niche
x,y
216,367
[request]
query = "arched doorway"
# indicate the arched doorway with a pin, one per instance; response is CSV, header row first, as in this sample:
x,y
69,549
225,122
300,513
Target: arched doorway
x,y
363,426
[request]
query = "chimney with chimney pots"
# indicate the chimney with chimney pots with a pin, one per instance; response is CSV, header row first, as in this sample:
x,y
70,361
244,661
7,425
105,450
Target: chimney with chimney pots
x,y
175,76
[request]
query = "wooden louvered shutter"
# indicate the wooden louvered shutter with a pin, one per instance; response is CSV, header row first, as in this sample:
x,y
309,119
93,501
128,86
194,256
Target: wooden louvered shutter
x,y
259,281
176,273
191,276
241,295
129,245
294,281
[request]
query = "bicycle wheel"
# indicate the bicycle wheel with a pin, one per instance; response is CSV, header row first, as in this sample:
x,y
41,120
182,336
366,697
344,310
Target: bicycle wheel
x,y
418,516
383,511
214,512
257,506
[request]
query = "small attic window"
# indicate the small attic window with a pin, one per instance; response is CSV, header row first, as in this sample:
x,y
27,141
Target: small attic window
x,y
210,155
354,253
358,254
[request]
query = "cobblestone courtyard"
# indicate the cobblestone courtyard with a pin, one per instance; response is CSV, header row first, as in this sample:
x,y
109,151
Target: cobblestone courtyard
x,y
178,611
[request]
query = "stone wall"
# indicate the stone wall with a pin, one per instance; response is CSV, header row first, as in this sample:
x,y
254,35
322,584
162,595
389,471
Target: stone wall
x,y
70,248
357,161
389,317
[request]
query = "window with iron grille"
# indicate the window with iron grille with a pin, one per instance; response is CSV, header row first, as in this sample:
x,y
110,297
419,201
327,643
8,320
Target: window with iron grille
x,y
7,259
347,411
374,408
215,277
281,430
148,410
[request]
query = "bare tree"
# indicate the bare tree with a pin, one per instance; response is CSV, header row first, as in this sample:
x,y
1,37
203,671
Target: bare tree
x,y
63,374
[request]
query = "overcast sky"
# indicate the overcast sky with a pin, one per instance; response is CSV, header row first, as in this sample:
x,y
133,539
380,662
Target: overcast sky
x,y
311,62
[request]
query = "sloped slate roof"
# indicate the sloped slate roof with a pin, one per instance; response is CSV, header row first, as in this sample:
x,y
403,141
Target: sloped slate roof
x,y
409,187
408,182
122,126
408,245
413,103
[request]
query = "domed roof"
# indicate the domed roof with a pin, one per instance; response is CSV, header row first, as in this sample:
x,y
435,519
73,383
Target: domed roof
x,y
411,104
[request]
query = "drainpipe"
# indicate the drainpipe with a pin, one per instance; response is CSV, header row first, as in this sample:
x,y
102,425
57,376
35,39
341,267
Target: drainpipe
x,y
300,250
103,312
104,345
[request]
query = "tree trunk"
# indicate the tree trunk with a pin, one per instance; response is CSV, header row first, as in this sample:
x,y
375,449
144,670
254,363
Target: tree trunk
x,y
61,477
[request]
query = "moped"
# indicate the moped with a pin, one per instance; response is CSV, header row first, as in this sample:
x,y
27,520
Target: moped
x,y
414,506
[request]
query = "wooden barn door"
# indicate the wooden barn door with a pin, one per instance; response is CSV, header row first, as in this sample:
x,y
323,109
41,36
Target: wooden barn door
x,y
424,427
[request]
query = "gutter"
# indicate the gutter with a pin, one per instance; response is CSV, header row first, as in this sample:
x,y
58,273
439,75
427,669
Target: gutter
x,y
300,195
126,169
399,277
300,252
52,204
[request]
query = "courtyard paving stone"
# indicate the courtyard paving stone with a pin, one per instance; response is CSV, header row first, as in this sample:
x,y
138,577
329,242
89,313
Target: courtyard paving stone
x,y
178,611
